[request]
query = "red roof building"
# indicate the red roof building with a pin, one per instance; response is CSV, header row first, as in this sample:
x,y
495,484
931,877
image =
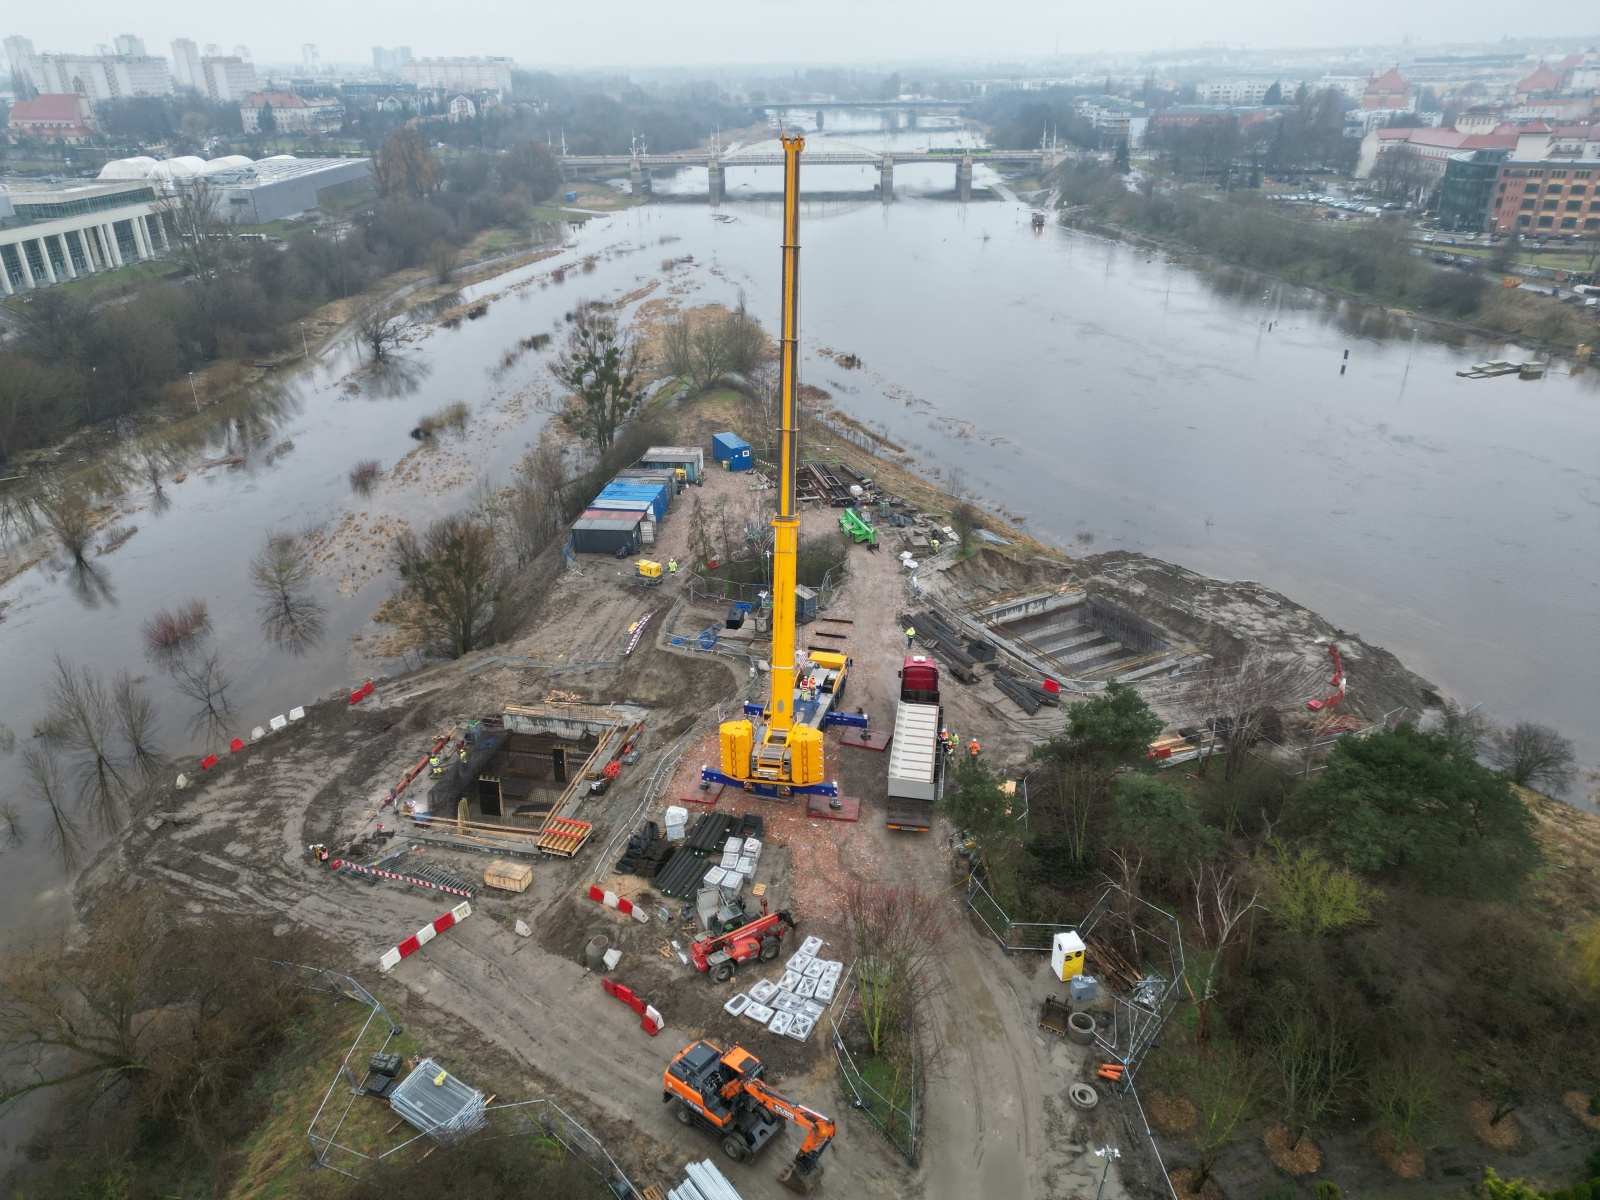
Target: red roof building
x,y
1543,80
1388,89
56,116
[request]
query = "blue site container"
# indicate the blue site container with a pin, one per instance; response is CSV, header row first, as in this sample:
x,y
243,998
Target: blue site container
x,y
654,493
731,450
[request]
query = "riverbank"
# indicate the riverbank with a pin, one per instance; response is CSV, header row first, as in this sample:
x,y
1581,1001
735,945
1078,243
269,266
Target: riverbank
x,y
1496,311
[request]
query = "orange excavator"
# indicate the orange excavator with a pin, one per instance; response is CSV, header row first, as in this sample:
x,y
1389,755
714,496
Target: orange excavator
x,y
760,940
725,1093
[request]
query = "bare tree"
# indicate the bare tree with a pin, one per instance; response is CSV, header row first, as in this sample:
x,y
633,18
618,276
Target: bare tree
x,y
1079,791
1242,703
80,721
204,680
452,577
71,520
1466,729
443,258
1314,1062
1533,755
44,778
280,572
136,722
200,230
379,329
1402,1095
898,933
1223,1088
535,508
1220,908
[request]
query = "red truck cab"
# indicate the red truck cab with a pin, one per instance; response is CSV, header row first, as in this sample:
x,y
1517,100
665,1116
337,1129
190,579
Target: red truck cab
x,y
919,680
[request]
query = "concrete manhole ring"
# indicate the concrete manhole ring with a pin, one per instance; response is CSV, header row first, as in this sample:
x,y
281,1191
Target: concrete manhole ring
x,y
1083,1096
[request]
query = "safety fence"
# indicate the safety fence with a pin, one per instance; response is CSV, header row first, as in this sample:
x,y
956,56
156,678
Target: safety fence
x,y
540,1120
898,1115
1013,936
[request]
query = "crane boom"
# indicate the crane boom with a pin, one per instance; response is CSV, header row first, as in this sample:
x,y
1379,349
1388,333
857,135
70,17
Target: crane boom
x,y
783,757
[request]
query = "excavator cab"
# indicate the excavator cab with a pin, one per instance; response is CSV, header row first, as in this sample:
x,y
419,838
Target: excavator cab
x,y
726,1092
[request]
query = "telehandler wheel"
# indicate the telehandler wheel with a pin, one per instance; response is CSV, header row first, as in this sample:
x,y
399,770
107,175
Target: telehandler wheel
x,y
681,1111
769,949
722,972
735,1148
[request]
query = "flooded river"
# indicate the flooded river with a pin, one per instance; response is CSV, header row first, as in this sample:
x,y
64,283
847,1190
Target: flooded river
x,y
1197,416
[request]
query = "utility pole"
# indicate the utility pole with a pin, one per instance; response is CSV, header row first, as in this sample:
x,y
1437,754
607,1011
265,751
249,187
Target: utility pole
x,y
305,349
193,391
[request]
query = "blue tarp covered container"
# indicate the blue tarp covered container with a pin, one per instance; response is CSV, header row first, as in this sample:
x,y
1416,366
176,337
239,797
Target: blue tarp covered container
x,y
731,450
655,493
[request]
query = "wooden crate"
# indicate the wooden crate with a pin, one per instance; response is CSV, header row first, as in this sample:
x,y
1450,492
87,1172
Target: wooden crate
x,y
508,876
564,837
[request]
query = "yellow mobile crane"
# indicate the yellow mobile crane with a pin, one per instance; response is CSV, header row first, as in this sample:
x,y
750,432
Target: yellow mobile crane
x,y
783,756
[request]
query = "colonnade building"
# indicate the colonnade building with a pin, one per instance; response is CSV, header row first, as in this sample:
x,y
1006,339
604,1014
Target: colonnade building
x,y
52,236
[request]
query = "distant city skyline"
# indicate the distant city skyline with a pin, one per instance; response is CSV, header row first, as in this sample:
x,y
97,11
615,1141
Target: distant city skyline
x,y
659,33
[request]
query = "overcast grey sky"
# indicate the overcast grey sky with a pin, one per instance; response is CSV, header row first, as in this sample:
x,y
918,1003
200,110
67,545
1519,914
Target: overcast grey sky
x,y
692,32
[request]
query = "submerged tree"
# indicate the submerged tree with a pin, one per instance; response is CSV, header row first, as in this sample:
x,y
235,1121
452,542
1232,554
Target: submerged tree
x,y
71,520
81,723
204,680
48,788
280,572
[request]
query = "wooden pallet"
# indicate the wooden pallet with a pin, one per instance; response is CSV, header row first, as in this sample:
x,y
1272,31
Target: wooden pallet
x,y
564,837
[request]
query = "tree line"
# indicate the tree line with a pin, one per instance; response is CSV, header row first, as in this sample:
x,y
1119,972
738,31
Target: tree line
x,y
1359,939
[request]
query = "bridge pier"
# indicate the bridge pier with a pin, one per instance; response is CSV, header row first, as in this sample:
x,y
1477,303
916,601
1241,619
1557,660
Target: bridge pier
x,y
638,178
964,178
715,181
886,179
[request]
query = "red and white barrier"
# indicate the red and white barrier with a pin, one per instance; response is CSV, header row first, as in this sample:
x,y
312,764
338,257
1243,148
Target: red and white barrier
x,y
425,935
340,864
649,1019
621,903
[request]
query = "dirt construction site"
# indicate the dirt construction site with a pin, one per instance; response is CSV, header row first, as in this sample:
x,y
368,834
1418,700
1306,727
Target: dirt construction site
x,y
509,1000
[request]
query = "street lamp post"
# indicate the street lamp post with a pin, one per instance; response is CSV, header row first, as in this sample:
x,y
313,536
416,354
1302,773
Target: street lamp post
x,y
1108,1153
305,349
195,392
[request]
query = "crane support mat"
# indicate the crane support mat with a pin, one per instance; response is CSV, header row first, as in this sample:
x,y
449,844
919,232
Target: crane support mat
x,y
849,808
706,795
564,837
873,739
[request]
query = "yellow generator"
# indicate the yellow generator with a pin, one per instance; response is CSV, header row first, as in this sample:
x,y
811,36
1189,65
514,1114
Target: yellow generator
x,y
649,572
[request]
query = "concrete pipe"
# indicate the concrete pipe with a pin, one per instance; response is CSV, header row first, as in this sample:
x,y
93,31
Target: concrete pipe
x,y
594,954
1083,1096
1080,1028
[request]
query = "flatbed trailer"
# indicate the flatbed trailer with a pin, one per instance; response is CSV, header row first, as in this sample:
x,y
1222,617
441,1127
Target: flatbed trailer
x,y
916,769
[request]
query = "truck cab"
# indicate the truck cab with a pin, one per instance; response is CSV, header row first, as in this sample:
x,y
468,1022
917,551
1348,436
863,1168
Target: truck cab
x,y
919,680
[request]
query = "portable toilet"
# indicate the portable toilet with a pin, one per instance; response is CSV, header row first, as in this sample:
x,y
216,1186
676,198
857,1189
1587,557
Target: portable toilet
x,y
1066,955
731,450
805,605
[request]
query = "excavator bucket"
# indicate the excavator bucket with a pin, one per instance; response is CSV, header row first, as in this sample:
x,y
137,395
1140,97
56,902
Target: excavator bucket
x,y
797,1179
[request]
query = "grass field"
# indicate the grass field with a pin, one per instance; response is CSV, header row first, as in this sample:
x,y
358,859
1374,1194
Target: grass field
x,y
277,1154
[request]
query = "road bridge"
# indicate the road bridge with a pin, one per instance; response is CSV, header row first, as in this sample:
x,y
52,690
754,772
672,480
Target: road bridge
x,y
717,165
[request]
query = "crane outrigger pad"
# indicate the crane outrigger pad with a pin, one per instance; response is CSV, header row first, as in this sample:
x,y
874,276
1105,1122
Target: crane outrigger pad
x,y
771,791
